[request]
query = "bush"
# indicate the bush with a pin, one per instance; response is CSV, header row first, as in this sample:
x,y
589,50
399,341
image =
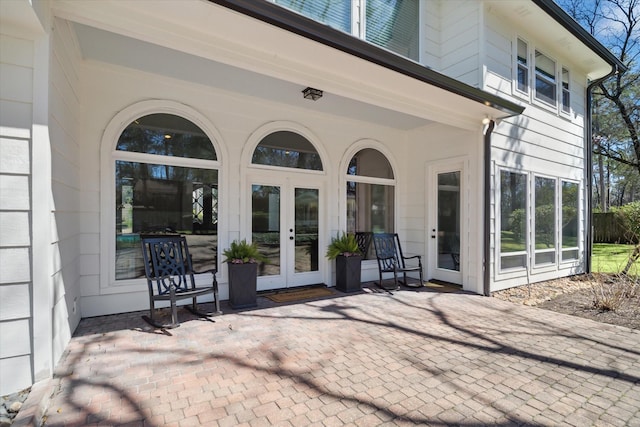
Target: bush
x,y
629,216
613,292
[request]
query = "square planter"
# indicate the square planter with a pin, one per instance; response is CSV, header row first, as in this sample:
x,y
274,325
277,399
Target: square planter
x,y
348,273
243,285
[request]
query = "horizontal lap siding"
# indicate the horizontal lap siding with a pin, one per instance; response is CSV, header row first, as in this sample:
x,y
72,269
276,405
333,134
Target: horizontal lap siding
x,y
460,39
16,93
541,140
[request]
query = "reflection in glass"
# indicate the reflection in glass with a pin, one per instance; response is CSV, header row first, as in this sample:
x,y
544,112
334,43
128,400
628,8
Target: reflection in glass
x,y
513,218
449,220
393,24
370,208
153,198
569,220
288,150
370,162
306,230
545,220
166,135
334,13
265,226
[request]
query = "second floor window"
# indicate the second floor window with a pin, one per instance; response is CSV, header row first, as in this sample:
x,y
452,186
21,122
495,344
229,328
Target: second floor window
x,y
566,93
523,66
390,24
545,78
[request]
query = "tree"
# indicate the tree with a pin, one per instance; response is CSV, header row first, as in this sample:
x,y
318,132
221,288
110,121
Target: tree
x,y
616,106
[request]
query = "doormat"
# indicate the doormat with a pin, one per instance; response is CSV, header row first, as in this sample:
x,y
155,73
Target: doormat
x,y
442,287
299,295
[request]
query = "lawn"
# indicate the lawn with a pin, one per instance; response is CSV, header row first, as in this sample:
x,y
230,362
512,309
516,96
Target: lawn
x,y
610,258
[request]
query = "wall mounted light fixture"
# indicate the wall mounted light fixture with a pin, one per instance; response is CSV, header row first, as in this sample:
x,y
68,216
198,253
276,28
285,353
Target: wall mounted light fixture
x,y
312,94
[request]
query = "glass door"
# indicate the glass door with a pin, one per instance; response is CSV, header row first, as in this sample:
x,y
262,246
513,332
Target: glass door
x,y
447,256
285,225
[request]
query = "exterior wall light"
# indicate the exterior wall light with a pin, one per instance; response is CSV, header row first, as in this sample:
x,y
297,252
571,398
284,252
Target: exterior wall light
x,y
312,94
486,121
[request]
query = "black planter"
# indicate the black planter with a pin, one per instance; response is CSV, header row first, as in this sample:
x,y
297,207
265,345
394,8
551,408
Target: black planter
x,y
242,285
348,273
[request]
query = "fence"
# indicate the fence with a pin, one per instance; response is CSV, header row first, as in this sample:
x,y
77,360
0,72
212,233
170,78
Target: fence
x,y
607,229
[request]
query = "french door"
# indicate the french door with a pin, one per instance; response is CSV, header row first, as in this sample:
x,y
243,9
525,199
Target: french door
x,y
286,226
445,233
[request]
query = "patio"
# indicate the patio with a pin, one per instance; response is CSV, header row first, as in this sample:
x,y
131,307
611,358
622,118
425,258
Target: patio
x,y
373,358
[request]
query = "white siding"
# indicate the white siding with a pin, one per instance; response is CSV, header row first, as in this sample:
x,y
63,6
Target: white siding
x,y
64,126
16,92
460,38
540,141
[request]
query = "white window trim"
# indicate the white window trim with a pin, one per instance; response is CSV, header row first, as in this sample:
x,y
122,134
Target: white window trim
x,y
108,157
578,260
530,94
509,273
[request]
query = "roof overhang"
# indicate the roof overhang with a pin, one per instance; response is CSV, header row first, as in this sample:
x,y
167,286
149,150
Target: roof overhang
x,y
313,30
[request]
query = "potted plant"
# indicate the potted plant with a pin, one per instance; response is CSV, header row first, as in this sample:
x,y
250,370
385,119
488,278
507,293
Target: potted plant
x,y
242,260
345,250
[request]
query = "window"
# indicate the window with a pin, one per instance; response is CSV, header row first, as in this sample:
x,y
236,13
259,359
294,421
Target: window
x,y
545,78
158,191
569,220
523,66
391,24
513,220
566,94
545,220
370,194
288,150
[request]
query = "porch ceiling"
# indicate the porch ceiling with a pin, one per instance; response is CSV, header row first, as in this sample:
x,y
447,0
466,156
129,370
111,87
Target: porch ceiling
x,y
111,48
209,44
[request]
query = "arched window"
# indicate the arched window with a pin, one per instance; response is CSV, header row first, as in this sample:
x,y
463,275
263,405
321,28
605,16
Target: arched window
x,y
288,150
370,193
166,181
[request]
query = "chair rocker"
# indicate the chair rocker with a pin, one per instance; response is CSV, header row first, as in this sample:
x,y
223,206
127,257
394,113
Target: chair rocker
x,y
170,277
391,260
363,238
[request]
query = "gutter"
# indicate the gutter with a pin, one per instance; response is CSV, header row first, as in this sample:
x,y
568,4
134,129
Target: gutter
x,y
288,20
588,154
486,256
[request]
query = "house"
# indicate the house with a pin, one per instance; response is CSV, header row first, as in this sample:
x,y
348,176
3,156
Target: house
x,y
460,125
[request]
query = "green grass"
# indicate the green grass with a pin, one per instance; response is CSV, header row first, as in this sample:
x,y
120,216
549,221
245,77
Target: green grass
x,y
610,258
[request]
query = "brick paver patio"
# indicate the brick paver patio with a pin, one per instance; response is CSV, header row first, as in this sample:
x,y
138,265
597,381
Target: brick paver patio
x,y
375,358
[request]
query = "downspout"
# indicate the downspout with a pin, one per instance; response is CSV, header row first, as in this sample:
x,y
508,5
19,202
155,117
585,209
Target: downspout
x,y
588,148
486,258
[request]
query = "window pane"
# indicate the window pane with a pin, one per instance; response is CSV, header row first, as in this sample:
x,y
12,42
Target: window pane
x,y
449,220
545,258
152,198
288,150
570,209
306,230
513,261
334,13
265,226
370,162
523,67
393,24
545,78
545,213
166,135
370,207
566,94
513,214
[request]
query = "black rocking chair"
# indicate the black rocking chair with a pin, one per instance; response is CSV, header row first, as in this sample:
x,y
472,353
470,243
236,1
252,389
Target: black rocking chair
x,y
391,259
170,277
364,242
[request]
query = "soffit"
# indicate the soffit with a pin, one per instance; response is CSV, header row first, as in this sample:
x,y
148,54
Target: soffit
x,y
199,40
531,20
